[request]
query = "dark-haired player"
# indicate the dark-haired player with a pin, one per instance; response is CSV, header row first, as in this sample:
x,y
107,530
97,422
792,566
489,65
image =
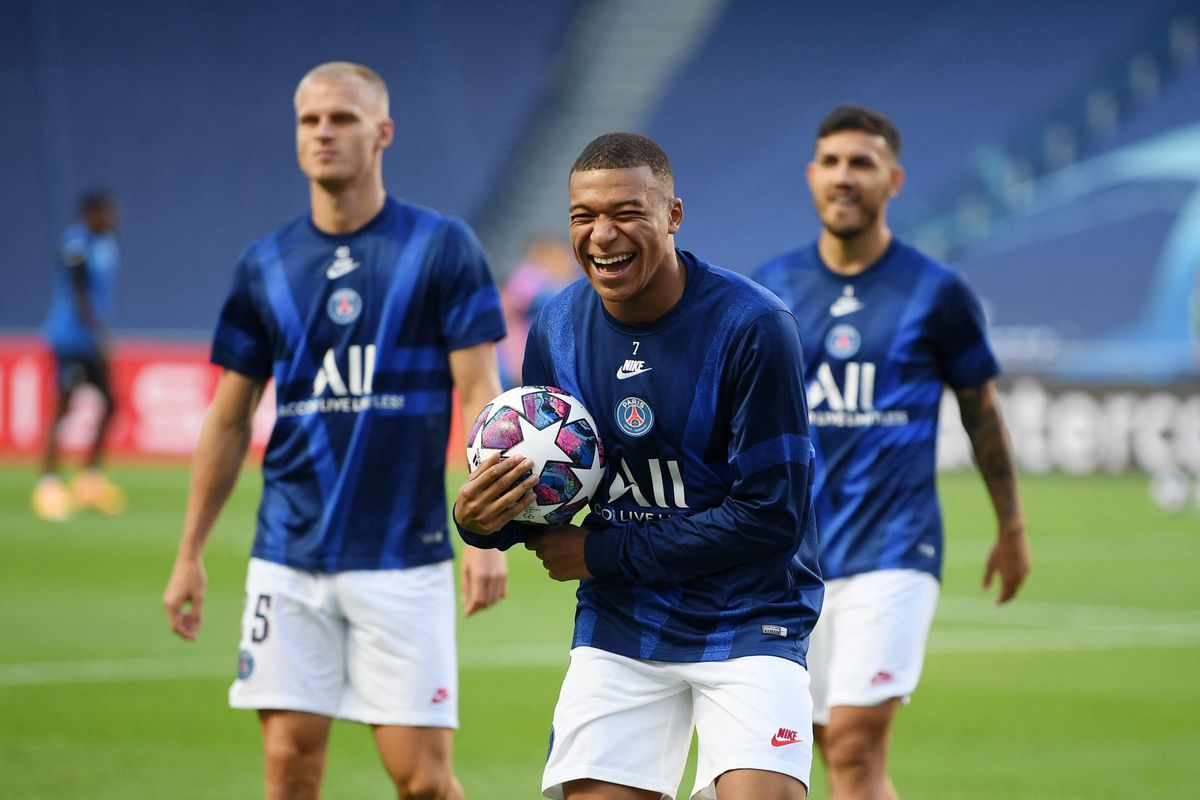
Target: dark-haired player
x,y
366,312
78,328
697,561
886,327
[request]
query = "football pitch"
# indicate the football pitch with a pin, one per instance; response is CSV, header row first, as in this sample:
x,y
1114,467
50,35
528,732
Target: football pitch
x,y
1086,686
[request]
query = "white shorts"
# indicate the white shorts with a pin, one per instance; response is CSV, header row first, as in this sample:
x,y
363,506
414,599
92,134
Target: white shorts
x,y
869,644
629,722
372,646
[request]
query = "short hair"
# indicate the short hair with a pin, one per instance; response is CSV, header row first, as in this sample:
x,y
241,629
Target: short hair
x,y
346,71
97,200
857,118
626,150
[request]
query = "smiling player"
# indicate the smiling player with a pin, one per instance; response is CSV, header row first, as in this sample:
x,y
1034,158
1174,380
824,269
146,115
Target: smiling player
x,y
697,564
886,327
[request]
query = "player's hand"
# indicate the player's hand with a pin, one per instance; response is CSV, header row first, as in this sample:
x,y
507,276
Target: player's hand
x,y
1010,560
561,552
184,597
496,491
484,578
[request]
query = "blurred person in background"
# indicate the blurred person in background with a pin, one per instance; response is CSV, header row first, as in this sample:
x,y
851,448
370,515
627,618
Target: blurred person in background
x,y
78,329
546,267
885,328
367,312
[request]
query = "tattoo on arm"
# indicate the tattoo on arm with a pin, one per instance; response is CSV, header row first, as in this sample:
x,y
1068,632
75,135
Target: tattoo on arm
x,y
993,452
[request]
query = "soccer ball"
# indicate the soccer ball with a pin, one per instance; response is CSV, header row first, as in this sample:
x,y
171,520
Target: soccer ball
x,y
553,429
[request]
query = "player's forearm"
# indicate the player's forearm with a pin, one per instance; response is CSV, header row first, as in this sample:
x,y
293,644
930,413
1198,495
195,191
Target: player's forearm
x,y
761,517
220,453
994,455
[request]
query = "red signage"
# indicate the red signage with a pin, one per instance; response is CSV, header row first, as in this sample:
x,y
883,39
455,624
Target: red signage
x,y
163,391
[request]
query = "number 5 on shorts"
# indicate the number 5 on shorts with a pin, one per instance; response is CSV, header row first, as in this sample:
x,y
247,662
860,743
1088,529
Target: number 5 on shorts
x,y
262,626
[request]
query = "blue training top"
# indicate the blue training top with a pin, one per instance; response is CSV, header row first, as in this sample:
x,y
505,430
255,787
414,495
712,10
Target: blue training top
x,y
356,330
704,542
881,345
99,258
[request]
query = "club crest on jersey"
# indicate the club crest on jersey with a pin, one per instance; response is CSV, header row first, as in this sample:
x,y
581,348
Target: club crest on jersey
x,y
842,341
634,416
344,306
245,665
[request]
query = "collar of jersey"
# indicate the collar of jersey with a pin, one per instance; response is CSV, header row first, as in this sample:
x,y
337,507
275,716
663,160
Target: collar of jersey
x,y
389,206
695,270
873,269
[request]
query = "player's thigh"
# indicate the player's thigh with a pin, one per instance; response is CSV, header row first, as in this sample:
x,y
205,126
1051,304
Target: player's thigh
x,y
401,660
289,734
618,721
415,755
96,373
750,784
753,715
877,636
292,647
70,373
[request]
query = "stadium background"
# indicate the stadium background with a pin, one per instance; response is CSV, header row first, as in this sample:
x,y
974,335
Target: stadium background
x,y
1053,155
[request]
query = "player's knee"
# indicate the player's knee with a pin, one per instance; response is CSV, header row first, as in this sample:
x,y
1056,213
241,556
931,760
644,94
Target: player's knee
x,y
296,760
427,782
853,750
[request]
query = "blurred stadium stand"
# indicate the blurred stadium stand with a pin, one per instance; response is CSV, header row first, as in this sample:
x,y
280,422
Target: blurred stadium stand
x,y
184,109
1051,147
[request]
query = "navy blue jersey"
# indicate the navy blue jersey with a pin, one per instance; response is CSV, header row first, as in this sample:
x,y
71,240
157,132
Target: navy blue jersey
x,y
704,541
881,345
356,331
97,255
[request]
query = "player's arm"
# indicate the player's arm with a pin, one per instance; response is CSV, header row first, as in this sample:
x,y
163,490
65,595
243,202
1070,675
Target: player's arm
x,y
768,509
220,452
484,571
74,258
1009,557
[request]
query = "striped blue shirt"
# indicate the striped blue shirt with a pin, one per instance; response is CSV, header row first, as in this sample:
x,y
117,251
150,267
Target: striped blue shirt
x,y
704,543
881,345
356,331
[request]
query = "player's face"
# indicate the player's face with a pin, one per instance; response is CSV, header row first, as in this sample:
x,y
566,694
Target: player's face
x,y
341,132
102,219
853,174
623,223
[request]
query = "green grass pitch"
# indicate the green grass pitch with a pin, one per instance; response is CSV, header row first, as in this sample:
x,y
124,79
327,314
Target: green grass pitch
x,y
1087,686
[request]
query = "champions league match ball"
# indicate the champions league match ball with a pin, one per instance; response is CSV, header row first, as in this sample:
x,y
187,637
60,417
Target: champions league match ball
x,y
557,433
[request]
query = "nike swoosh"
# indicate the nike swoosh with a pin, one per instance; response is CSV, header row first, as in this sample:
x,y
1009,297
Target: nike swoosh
x,y
338,270
622,374
841,309
777,742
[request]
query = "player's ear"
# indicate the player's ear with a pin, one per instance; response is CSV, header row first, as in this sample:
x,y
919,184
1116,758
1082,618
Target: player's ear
x,y
674,215
387,133
896,180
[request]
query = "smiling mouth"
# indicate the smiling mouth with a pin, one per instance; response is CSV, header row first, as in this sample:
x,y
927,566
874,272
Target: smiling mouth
x,y
611,265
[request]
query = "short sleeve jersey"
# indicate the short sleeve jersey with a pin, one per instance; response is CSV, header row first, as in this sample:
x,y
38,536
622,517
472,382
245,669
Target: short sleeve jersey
x,y
881,346
704,541
356,331
95,258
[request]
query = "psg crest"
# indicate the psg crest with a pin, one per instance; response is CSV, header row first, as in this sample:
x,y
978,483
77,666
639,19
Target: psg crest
x,y
843,341
634,416
344,306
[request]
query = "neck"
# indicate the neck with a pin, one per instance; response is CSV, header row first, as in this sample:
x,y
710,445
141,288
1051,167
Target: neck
x,y
656,299
856,254
347,208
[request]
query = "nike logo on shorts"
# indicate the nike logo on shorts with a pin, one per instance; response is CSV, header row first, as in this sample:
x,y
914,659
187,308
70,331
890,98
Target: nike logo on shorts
x,y
785,737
